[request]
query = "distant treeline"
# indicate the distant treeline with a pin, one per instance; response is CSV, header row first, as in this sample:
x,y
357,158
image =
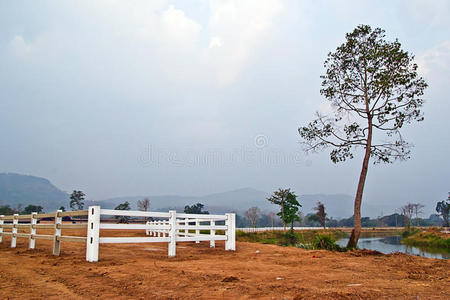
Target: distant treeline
x,y
272,220
310,220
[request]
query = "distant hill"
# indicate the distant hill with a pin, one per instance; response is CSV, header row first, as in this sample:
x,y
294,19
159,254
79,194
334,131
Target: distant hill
x,y
237,200
18,189
337,206
23,189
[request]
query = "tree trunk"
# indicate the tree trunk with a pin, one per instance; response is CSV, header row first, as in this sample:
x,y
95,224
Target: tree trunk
x,y
354,237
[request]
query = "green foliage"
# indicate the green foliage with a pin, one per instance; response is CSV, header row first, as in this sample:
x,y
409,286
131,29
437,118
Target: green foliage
x,y
195,209
325,242
308,239
289,205
281,238
123,206
407,233
291,238
376,82
77,200
427,239
443,208
32,208
62,208
6,210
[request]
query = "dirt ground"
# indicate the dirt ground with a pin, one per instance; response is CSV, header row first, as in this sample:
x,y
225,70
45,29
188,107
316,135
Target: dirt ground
x,y
143,271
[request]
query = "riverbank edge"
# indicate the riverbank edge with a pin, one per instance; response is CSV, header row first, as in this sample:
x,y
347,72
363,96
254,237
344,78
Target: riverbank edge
x,y
427,240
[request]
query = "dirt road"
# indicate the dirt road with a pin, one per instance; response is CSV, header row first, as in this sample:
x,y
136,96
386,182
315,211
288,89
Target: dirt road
x,y
145,272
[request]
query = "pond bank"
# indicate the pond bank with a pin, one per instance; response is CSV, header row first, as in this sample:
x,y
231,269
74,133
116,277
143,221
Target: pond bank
x,y
430,238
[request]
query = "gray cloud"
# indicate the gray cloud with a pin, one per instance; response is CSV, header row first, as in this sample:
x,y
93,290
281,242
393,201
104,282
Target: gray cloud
x,y
86,87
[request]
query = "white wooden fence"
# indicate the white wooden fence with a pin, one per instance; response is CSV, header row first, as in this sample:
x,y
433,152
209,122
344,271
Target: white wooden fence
x,y
33,225
171,227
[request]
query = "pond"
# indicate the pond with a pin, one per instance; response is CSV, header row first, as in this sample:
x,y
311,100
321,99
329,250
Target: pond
x,y
390,244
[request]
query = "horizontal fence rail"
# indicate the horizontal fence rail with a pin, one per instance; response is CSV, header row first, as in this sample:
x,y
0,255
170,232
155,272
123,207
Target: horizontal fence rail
x,y
162,227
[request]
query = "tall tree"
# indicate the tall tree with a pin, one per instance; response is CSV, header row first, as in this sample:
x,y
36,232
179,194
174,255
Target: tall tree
x,y
123,206
443,208
144,204
374,90
291,209
321,214
252,215
77,200
407,212
279,198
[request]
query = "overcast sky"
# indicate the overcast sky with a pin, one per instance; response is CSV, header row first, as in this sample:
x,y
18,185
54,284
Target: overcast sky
x,y
193,97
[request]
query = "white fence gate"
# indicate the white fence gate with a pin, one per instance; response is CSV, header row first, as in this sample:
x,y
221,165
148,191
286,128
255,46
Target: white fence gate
x,y
171,227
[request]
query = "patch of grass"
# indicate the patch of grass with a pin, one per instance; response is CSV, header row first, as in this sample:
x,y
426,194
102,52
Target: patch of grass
x,y
427,239
326,242
307,239
407,233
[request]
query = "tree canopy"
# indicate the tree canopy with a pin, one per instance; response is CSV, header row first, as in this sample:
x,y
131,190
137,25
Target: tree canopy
x,y
195,209
443,208
77,200
32,208
123,206
289,206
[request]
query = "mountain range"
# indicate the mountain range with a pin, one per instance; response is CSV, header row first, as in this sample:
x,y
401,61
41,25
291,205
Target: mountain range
x,y
20,189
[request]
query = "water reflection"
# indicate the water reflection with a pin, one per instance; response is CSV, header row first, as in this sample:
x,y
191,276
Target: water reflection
x,y
390,244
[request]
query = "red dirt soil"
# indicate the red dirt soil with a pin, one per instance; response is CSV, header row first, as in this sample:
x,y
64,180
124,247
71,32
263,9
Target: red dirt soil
x,y
143,271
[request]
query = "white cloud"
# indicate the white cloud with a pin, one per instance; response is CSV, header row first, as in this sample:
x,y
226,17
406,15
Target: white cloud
x,y
19,47
243,27
164,38
434,63
179,29
215,42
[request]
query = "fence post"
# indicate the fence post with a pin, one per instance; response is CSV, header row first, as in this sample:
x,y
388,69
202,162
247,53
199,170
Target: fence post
x,y
93,234
233,232
230,243
159,230
197,231
56,241
212,232
14,231
33,222
1,228
153,230
172,233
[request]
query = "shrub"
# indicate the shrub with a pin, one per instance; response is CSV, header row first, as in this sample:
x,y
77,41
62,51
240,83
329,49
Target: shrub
x,y
326,242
